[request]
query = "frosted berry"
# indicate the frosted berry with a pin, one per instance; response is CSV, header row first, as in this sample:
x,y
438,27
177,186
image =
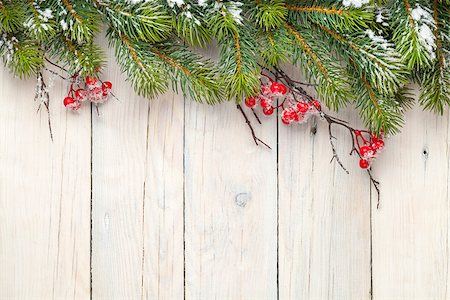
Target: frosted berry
x,y
286,121
106,86
302,107
265,102
250,102
278,88
363,163
265,90
288,113
91,80
316,104
96,95
81,95
268,110
366,151
71,103
68,101
378,145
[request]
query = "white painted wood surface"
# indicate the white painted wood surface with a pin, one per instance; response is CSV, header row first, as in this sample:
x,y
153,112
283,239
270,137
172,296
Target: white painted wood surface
x,y
170,199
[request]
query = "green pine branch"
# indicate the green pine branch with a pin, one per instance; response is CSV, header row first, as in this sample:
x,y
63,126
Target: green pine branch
x,y
151,68
319,66
147,22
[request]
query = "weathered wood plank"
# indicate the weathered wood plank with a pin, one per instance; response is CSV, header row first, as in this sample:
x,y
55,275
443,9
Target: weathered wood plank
x,y
163,276
118,176
324,215
137,195
410,230
231,206
44,195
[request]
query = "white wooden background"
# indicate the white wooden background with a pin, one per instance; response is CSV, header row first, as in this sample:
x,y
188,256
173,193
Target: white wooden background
x,y
170,199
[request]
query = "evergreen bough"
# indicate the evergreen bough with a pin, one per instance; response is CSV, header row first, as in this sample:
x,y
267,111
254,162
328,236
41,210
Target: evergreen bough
x,y
361,52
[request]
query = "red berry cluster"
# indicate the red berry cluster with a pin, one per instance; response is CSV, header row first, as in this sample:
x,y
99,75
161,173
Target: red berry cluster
x,y
368,147
95,91
293,109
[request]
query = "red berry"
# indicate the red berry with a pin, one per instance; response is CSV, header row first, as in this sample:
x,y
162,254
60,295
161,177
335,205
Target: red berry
x,y
91,80
366,151
302,107
285,121
106,86
81,94
250,102
316,104
265,102
378,145
278,88
265,89
363,163
68,101
268,110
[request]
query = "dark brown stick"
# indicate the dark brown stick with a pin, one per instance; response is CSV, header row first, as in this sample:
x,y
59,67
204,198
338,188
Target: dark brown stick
x,y
255,138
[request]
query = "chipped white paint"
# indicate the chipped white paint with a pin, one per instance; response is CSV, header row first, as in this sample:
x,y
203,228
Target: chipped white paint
x,y
185,205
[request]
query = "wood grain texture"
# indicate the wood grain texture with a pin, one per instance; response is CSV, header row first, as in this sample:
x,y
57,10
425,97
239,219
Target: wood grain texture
x,y
163,270
118,176
184,205
44,196
410,230
137,205
324,216
231,206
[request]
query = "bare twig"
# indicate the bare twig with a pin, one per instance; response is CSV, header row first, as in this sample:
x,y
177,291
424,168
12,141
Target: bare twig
x,y
296,89
333,148
255,138
42,95
256,116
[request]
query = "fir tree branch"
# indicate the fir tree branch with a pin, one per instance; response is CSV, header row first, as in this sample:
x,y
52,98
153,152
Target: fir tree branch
x,y
69,7
302,43
318,9
330,78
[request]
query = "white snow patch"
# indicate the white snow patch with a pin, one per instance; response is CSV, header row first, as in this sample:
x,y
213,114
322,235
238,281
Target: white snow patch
x,y
64,25
424,27
202,3
235,11
178,3
378,39
355,3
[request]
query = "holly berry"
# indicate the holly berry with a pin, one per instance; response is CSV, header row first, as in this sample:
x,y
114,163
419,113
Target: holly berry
x,y
71,103
302,107
250,102
285,121
316,104
81,94
68,101
364,163
268,110
378,145
91,80
278,88
366,151
266,102
96,95
106,86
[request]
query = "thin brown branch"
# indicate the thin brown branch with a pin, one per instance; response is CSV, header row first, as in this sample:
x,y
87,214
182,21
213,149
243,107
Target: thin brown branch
x,y
255,138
